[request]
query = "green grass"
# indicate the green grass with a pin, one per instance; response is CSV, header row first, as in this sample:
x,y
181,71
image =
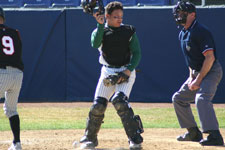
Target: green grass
x,y
43,118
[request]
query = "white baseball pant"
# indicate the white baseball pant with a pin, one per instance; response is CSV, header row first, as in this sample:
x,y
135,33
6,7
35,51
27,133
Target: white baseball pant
x,y
10,85
107,92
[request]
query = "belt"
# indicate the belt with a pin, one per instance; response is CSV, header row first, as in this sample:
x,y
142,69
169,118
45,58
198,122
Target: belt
x,y
112,66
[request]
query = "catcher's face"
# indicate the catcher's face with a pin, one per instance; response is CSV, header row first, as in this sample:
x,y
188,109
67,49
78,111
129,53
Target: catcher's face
x,y
115,18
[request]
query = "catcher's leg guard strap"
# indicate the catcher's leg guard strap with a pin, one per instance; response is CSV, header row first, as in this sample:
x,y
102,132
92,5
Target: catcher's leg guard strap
x,y
132,124
95,118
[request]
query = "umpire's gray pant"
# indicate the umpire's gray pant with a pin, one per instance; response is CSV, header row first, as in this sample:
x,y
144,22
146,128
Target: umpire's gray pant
x,y
202,97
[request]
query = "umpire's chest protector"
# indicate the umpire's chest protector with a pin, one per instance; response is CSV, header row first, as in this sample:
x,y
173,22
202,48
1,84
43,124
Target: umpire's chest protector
x,y
115,45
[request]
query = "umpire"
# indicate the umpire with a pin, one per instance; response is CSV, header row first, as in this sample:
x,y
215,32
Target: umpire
x,y
11,76
199,50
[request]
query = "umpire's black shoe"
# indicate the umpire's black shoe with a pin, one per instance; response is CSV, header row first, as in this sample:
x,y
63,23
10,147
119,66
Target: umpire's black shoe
x,y
193,134
214,139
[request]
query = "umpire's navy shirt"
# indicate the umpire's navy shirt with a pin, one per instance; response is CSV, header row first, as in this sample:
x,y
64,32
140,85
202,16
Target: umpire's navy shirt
x,y
195,41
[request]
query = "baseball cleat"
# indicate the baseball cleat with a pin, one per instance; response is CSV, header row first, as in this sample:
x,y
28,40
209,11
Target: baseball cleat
x,y
134,146
190,136
214,139
85,145
211,142
16,146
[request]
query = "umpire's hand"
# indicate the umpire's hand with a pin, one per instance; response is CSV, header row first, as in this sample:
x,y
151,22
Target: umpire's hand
x,y
99,18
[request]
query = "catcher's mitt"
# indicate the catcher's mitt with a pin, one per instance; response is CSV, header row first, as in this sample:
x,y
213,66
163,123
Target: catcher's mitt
x,y
116,79
89,6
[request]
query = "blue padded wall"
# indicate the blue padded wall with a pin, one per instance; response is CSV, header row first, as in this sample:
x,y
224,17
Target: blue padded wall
x,y
61,65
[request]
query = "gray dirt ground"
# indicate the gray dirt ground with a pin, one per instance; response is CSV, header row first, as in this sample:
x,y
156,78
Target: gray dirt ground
x,y
154,139
109,139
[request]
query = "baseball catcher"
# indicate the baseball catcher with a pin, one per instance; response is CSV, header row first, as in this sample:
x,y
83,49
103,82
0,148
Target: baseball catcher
x,y
120,54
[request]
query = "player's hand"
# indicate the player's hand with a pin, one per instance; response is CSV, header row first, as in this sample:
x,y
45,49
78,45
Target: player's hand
x,y
194,85
99,18
127,72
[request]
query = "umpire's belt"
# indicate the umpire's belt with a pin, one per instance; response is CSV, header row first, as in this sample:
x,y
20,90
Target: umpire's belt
x,y
112,66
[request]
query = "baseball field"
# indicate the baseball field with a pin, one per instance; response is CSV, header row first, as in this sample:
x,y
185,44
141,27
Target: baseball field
x,y
54,126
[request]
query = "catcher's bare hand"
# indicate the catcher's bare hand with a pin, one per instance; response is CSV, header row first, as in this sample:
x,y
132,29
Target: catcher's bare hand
x,y
124,77
99,18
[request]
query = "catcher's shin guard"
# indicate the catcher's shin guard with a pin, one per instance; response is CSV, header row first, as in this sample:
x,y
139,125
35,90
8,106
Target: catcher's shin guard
x,y
132,123
94,121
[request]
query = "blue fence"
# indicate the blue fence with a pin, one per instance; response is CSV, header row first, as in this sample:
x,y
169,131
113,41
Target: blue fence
x,y
60,64
75,3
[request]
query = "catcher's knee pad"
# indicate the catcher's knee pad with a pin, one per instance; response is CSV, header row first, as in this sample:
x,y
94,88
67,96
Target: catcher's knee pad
x,y
99,106
119,101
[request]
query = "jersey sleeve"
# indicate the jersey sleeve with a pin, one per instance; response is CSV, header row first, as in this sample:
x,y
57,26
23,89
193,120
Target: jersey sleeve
x,y
205,41
97,36
136,52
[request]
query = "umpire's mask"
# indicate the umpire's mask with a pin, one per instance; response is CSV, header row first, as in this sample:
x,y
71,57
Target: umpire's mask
x,y
181,10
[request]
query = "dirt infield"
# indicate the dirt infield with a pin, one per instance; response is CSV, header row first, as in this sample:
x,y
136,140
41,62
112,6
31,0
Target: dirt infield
x,y
154,139
109,139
